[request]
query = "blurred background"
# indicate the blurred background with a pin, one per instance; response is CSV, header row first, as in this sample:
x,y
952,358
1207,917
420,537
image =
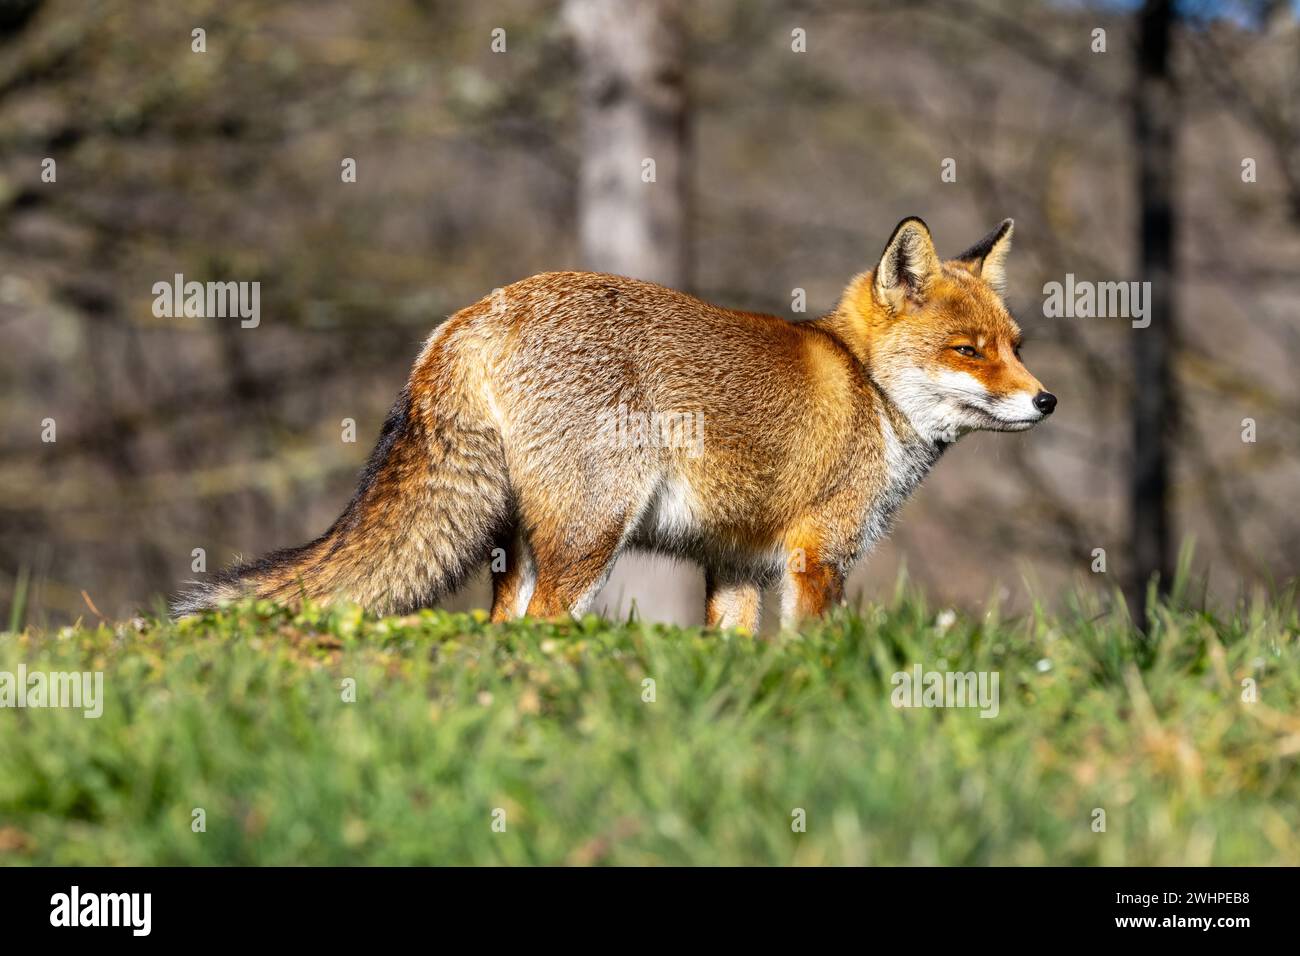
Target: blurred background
x,y
493,140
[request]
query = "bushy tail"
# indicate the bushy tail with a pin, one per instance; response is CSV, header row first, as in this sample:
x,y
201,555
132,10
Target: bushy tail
x,y
432,499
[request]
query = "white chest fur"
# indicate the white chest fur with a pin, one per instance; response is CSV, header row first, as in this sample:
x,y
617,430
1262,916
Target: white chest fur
x,y
907,461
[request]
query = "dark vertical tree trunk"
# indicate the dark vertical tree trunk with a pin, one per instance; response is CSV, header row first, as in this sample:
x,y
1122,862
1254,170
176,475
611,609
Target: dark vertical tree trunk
x,y
1154,138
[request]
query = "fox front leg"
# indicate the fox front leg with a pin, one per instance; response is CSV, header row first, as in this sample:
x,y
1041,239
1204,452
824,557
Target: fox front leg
x,y
731,604
810,586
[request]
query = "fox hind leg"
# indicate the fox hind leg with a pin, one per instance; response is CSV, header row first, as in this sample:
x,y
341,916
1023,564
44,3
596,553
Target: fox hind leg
x,y
568,579
577,527
514,577
731,603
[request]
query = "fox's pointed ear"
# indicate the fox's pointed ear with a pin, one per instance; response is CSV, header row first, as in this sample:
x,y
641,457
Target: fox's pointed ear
x,y
907,265
987,258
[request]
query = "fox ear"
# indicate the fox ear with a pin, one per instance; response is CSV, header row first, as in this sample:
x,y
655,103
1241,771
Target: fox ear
x,y
907,264
987,258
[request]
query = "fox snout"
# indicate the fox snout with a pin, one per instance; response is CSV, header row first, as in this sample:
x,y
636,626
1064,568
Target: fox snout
x,y
1018,411
1022,406
1030,395
1037,404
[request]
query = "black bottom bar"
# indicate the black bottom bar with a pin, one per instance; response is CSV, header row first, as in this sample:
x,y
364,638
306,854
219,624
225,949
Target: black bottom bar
x,y
333,906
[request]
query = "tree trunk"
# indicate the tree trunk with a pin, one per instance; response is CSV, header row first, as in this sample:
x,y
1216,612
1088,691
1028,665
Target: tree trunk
x,y
634,127
1154,407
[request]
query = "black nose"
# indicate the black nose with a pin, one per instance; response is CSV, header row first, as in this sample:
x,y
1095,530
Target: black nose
x,y
1045,402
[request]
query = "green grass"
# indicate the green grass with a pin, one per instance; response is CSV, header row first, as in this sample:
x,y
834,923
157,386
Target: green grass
x,y
241,714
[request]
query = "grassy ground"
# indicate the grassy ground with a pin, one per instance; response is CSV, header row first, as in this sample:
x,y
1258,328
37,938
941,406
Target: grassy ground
x,y
242,714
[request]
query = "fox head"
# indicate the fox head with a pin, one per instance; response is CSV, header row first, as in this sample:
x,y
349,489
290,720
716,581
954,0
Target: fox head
x,y
939,340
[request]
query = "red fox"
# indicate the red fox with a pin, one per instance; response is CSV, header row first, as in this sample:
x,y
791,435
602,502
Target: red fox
x,y
572,415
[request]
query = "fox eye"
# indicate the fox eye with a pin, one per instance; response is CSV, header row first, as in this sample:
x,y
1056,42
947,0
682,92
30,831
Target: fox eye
x,y
966,350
